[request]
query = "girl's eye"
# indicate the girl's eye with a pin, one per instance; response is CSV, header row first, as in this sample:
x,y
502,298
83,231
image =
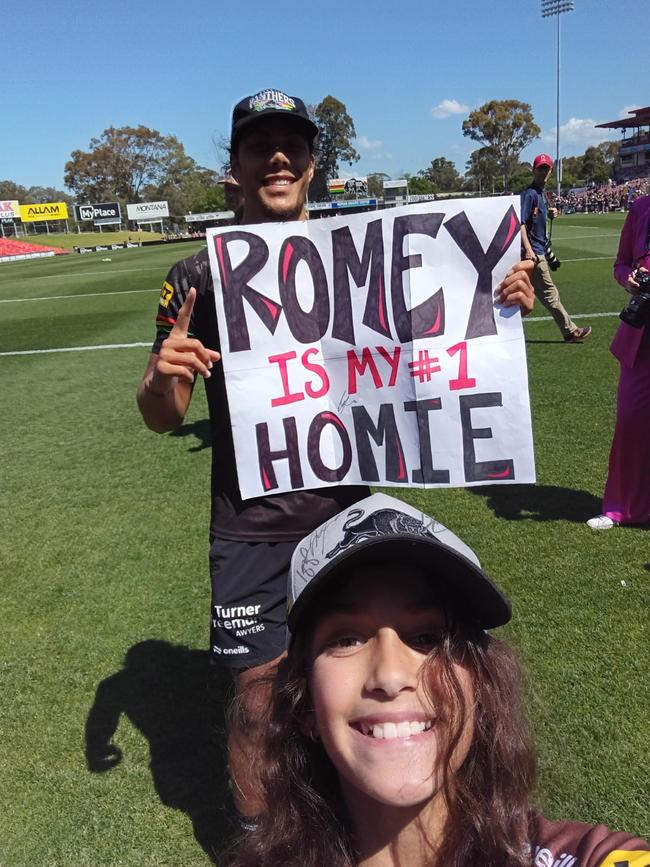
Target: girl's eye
x,y
426,640
344,641
339,645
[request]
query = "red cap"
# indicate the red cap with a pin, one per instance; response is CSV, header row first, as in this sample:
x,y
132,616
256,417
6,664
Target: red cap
x,y
543,160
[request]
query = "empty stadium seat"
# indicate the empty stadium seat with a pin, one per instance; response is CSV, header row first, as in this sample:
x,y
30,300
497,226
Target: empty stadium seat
x,y
11,247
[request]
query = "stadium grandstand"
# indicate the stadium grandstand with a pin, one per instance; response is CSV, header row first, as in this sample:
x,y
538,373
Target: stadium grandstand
x,y
634,150
601,198
11,251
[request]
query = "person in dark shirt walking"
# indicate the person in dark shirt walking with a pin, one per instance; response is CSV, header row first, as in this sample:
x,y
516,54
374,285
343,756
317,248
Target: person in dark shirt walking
x,y
534,241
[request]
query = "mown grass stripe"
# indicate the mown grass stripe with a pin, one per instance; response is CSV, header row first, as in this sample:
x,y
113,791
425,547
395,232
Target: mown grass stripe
x,y
91,273
83,295
76,348
136,291
136,345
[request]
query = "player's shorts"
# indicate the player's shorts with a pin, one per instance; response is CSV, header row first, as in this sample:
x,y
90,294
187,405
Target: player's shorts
x,y
248,622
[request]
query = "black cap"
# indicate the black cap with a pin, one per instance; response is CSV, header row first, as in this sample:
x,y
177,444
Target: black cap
x,y
380,528
268,103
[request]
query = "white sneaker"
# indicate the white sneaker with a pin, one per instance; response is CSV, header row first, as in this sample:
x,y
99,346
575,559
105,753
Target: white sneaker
x,y
601,522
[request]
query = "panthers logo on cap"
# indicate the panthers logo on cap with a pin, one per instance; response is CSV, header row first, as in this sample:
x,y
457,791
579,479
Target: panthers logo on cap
x,y
384,522
271,99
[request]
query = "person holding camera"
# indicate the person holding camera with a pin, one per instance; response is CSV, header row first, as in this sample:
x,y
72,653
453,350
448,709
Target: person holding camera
x,y
537,247
398,732
627,492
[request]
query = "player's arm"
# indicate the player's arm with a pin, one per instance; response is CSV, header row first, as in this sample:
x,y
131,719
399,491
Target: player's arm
x,y
165,391
162,411
525,243
526,209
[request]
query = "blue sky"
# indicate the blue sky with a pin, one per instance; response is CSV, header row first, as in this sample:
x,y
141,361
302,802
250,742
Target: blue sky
x,y
409,73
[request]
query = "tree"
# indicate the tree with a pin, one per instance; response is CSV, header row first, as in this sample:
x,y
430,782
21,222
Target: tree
x,y
609,150
420,186
187,187
442,174
121,162
207,199
506,126
482,168
571,166
9,191
47,194
521,178
594,167
335,132
376,184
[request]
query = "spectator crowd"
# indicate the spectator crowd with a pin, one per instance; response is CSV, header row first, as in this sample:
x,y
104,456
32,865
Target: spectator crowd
x,y
601,198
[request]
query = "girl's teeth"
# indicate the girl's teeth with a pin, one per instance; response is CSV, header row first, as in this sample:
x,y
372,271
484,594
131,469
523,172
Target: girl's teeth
x,y
389,730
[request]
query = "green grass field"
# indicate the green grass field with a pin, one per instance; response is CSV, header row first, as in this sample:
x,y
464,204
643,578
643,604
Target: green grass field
x,y
105,593
68,240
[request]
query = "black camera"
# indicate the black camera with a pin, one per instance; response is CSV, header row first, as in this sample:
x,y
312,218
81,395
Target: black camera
x,y
553,261
637,312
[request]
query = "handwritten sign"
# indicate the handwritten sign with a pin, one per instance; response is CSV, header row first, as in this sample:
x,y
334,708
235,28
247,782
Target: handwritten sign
x,y
369,349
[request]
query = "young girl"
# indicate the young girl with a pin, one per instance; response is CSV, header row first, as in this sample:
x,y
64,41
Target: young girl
x,y
397,737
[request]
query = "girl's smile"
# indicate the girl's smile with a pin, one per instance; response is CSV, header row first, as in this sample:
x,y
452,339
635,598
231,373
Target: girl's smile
x,y
372,711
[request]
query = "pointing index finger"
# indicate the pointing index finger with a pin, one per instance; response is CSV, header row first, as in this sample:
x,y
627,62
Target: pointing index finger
x,y
182,325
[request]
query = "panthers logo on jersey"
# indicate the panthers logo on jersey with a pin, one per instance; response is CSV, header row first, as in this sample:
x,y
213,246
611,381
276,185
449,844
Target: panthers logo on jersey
x,y
627,858
166,294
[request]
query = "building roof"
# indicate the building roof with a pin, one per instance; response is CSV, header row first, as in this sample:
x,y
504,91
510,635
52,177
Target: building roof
x,y
640,117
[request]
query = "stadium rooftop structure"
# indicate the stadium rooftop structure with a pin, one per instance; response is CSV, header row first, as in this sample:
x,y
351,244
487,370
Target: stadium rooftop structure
x,y
641,118
634,150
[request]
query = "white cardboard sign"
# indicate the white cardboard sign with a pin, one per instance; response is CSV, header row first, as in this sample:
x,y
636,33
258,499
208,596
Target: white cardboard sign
x,y
369,349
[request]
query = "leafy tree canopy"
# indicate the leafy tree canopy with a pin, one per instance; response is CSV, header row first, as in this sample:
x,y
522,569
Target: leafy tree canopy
x,y
442,174
482,168
597,164
32,195
335,133
421,186
506,126
594,165
132,164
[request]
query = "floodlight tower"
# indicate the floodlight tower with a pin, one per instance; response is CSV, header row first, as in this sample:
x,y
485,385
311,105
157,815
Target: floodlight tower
x,y
550,8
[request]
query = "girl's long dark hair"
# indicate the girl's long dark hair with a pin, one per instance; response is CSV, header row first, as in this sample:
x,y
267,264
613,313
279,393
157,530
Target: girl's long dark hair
x,y
488,798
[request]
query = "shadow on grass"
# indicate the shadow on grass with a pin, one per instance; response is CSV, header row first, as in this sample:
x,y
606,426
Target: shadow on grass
x,y
177,701
539,502
198,429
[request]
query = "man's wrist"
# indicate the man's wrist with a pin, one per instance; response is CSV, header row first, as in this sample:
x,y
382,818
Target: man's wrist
x,y
154,392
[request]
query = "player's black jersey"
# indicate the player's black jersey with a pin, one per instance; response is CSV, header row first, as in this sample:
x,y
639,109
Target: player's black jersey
x,y
281,517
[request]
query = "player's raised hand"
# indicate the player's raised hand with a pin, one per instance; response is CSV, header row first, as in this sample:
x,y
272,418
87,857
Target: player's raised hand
x,y
182,357
516,288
